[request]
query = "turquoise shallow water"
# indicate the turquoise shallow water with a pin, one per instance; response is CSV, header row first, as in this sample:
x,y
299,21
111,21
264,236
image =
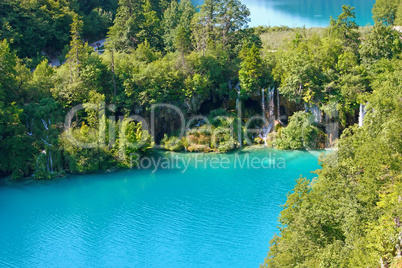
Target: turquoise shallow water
x,y
203,217
299,13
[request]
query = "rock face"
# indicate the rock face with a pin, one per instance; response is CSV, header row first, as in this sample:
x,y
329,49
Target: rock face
x,y
195,102
288,108
166,121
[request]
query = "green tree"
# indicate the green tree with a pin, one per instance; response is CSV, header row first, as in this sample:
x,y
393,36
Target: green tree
x,y
150,28
398,15
126,25
232,16
251,70
384,11
178,15
135,22
182,42
345,28
381,42
349,215
300,133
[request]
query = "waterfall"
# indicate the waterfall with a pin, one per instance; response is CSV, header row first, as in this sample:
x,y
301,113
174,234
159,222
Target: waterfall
x,y
200,123
265,131
51,161
238,108
270,99
237,87
362,113
44,124
315,110
30,133
277,105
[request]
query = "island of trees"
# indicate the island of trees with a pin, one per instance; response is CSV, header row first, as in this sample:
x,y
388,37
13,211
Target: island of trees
x,y
207,61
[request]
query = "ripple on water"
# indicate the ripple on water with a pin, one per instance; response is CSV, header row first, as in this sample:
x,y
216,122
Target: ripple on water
x,y
203,217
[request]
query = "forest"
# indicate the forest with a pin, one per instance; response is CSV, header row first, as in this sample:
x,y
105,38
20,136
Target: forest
x,y
207,62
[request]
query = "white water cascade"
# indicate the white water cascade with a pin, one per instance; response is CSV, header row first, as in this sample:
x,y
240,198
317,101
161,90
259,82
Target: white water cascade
x,y
30,133
265,131
238,108
315,110
277,105
270,99
362,113
49,160
237,87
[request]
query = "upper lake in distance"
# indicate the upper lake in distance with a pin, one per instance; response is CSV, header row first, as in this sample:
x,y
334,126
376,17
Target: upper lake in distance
x,y
299,13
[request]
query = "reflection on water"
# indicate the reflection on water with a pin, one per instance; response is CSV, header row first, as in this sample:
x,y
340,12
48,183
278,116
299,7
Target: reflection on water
x,y
299,13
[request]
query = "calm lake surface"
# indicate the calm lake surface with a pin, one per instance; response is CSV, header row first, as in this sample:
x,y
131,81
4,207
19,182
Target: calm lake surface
x,y
203,217
299,13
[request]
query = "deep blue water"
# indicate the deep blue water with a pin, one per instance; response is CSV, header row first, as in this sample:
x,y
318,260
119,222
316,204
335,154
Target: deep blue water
x,y
299,13
203,217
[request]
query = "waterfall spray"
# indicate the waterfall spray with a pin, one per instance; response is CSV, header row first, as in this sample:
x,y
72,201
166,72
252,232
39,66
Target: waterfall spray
x,y
362,113
277,105
315,110
271,92
237,87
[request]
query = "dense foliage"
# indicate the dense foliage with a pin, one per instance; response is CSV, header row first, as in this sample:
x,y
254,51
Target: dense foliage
x,y
350,216
207,61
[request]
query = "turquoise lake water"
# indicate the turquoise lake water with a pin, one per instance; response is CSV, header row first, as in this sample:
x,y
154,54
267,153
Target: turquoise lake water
x,y
200,217
299,13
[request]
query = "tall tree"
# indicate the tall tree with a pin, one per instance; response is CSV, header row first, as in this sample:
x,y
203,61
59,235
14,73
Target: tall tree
x,y
150,28
232,16
135,21
250,73
127,24
384,11
176,16
345,28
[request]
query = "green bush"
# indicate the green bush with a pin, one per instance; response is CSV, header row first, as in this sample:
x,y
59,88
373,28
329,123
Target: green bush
x,y
300,133
172,143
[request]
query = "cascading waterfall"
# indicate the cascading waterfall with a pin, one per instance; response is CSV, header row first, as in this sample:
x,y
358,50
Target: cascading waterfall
x,y
200,123
362,113
277,105
266,129
50,161
237,87
48,156
45,124
315,110
271,92
30,133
